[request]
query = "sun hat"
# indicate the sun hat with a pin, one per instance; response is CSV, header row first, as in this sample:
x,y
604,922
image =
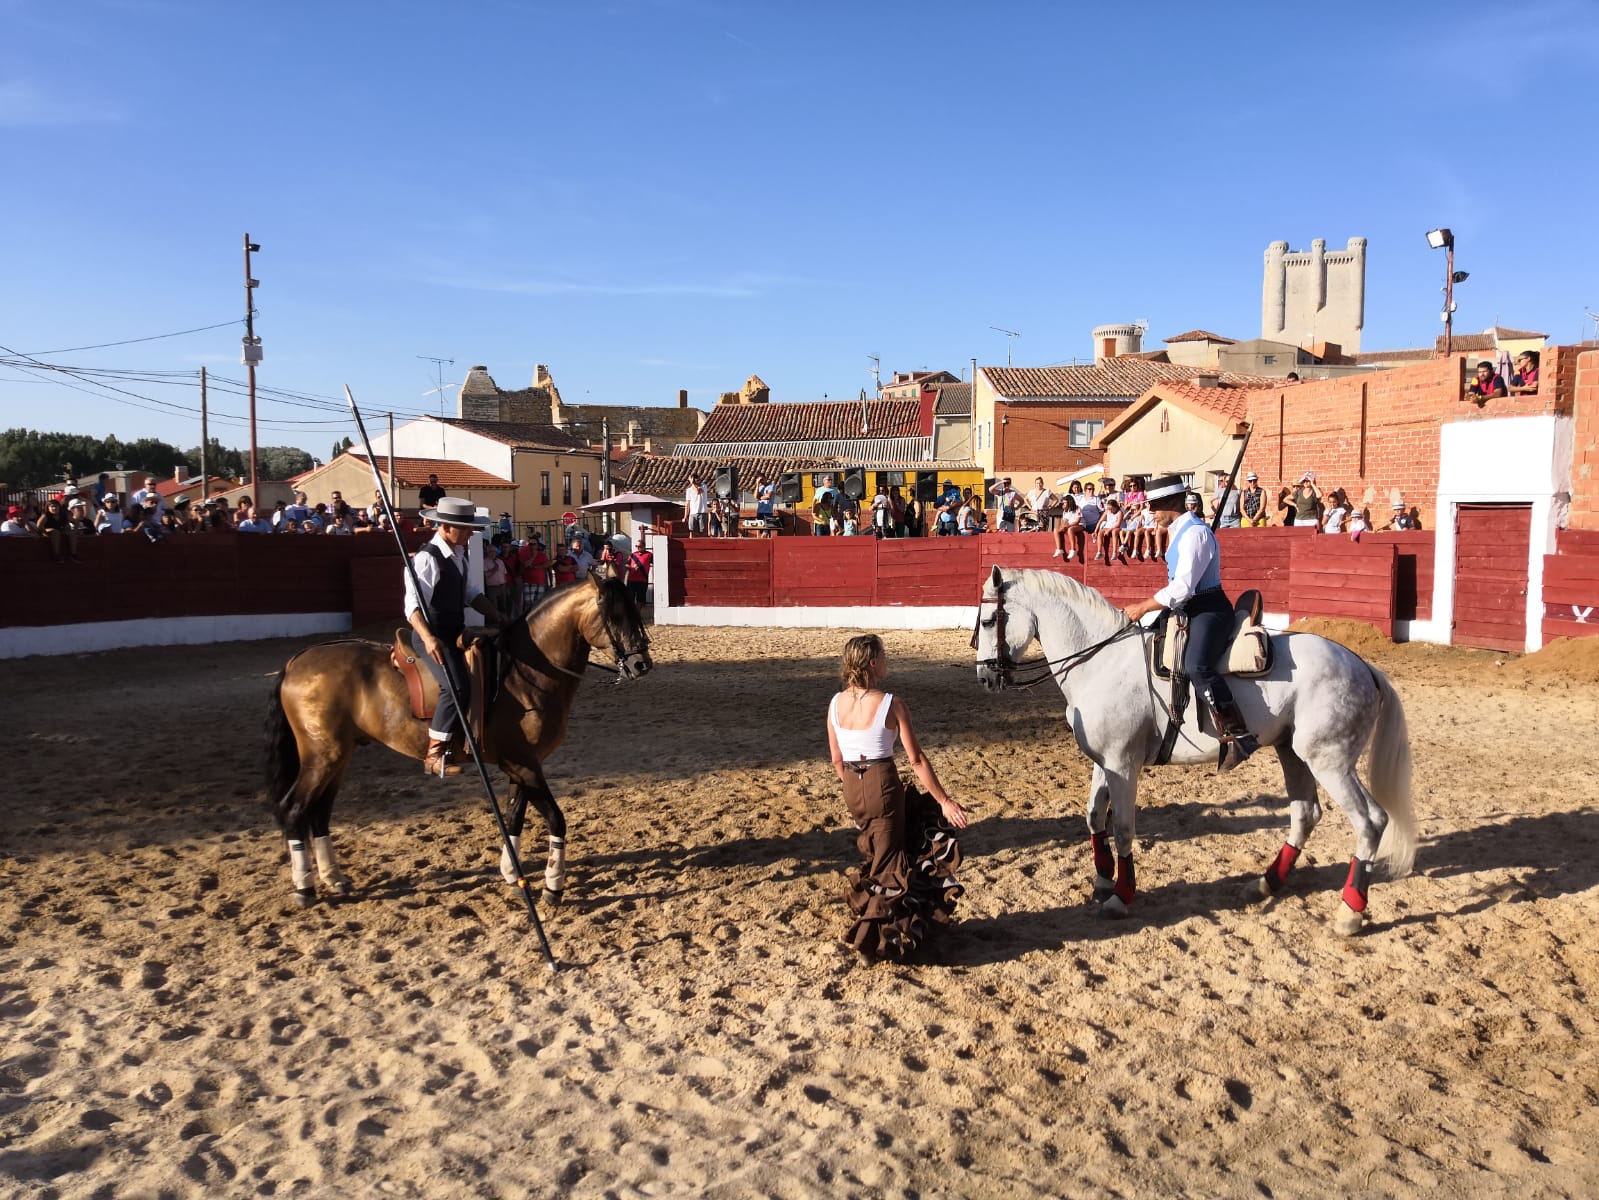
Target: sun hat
x,y
1163,486
1251,475
452,510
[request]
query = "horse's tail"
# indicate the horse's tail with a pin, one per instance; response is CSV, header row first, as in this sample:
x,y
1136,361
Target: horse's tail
x,y
1390,779
283,755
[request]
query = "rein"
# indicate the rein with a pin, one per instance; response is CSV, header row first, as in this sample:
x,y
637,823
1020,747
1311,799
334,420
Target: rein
x,y
1042,667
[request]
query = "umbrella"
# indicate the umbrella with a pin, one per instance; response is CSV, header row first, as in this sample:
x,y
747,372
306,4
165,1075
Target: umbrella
x,y
629,500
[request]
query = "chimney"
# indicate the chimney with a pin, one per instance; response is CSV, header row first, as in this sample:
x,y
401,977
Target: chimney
x,y
682,397
541,375
1207,379
180,474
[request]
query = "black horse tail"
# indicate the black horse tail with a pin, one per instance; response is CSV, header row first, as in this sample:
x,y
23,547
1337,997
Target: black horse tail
x,y
282,759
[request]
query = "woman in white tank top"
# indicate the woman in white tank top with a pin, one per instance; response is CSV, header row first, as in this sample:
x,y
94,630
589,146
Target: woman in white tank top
x,y
905,885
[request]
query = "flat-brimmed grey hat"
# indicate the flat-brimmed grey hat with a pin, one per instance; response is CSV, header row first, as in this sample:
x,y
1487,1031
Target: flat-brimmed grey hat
x,y
454,511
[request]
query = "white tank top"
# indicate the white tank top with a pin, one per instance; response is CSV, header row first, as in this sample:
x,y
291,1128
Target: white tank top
x,y
877,741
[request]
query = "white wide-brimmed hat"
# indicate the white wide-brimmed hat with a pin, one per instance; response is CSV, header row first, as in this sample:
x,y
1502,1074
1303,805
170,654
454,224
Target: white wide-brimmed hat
x,y
454,511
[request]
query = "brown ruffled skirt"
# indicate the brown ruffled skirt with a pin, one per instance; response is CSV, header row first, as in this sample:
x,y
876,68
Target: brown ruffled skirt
x,y
905,888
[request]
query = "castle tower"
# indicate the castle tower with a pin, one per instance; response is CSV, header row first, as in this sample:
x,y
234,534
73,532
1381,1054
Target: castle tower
x,y
1316,296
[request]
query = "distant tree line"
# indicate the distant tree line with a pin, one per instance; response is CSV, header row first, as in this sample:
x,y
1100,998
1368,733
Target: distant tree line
x,y
31,458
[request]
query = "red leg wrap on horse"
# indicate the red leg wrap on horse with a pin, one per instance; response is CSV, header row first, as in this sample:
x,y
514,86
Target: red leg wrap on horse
x,y
1277,873
1355,887
1125,887
1104,861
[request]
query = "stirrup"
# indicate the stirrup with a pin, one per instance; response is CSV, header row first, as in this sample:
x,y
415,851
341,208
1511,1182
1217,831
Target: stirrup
x,y
1235,750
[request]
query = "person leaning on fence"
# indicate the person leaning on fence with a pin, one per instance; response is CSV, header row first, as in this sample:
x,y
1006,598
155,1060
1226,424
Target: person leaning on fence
x,y
1252,504
905,884
1525,381
442,582
1487,382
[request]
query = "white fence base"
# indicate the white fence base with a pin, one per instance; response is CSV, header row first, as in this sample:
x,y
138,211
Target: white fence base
x,y
20,641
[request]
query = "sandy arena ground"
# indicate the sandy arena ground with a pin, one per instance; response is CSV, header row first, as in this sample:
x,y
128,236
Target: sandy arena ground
x,y
174,1026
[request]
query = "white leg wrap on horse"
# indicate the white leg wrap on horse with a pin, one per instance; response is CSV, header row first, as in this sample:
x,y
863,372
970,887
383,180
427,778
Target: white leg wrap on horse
x,y
507,867
327,865
300,867
555,869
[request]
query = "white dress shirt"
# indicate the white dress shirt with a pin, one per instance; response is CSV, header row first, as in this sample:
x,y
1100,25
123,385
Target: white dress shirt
x,y
427,571
1195,553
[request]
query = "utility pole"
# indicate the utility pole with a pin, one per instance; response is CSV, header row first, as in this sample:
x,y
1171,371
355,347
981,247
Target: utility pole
x,y
252,356
203,437
391,455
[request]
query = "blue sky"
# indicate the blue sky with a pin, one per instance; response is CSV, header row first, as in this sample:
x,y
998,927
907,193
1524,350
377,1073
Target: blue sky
x,y
661,194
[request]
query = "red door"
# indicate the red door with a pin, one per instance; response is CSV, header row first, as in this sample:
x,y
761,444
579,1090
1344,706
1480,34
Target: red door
x,y
1492,542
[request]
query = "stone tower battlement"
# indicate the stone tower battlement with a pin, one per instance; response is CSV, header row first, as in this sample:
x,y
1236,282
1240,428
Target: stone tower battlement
x,y
1315,296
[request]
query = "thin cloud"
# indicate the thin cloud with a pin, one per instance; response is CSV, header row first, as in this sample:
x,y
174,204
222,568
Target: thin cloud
x,y
23,105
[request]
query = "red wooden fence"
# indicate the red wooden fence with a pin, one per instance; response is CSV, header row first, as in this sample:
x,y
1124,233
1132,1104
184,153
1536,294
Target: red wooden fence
x,y
1335,577
1571,585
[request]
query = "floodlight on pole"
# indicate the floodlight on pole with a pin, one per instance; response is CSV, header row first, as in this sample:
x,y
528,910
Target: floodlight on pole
x,y
1444,239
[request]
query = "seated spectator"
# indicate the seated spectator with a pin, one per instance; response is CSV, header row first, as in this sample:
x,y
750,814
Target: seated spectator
x,y
16,523
1487,383
1148,535
1359,523
1107,534
58,529
278,510
1252,503
1091,506
299,510
1402,519
1336,512
1525,381
109,518
254,524
243,510
1069,532
289,525
1127,535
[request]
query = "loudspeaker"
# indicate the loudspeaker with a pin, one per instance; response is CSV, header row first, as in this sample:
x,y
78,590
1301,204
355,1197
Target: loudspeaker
x,y
854,485
726,483
790,487
926,486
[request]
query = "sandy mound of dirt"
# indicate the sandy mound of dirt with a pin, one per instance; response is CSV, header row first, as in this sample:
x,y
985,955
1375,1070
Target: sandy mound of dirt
x,y
1576,659
1358,636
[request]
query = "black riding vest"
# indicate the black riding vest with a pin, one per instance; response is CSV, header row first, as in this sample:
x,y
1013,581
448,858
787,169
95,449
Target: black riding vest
x,y
447,605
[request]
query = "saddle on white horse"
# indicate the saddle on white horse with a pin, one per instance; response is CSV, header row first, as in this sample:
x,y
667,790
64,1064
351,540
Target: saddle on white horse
x,y
1248,653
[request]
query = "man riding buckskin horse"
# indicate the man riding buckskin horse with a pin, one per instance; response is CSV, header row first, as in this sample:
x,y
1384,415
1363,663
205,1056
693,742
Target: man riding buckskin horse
x,y
1193,573
442,574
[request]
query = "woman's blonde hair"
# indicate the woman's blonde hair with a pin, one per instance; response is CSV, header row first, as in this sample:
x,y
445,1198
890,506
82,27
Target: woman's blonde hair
x,y
855,671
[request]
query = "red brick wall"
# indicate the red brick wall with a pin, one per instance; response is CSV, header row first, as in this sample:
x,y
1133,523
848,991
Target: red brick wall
x,y
1034,440
1380,430
1585,440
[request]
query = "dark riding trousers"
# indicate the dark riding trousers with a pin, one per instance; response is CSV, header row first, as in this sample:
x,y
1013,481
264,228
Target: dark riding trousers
x,y
447,609
1210,628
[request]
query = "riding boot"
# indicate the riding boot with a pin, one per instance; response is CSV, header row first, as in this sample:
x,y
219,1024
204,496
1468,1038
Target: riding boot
x,y
1237,743
438,761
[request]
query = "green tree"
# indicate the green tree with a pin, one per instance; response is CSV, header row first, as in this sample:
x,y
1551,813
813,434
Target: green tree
x,y
282,462
339,448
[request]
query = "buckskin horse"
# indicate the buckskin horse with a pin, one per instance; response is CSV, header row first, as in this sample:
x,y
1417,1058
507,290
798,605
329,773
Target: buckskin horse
x,y
1317,705
336,696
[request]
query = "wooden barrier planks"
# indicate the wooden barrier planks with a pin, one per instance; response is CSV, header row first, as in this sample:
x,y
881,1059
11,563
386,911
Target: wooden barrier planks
x,y
1492,546
1571,589
1413,569
927,571
1335,577
728,571
824,572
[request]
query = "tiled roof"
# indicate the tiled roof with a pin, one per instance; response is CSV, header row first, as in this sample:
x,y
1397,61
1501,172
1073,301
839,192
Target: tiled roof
x,y
1489,339
954,400
168,488
414,472
810,421
660,475
1122,376
1226,399
1202,335
526,436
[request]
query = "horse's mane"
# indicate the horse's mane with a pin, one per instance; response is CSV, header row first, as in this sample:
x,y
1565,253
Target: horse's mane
x,y
1064,587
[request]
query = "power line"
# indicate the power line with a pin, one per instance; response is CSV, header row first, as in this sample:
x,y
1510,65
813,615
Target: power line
x,y
154,337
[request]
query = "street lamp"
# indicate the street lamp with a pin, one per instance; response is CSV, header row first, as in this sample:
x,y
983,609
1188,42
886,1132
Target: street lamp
x,y
1443,239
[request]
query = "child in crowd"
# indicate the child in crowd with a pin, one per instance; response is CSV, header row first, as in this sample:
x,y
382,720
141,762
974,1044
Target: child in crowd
x,y
1069,530
1359,522
1108,532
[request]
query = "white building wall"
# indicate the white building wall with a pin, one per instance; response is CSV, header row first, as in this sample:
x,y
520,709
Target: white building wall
x,y
429,438
1513,460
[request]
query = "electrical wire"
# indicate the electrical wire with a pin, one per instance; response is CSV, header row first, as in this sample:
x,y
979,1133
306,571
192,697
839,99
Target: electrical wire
x,y
154,337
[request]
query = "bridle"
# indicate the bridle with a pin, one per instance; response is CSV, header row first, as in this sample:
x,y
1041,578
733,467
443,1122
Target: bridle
x,y
1042,667
540,661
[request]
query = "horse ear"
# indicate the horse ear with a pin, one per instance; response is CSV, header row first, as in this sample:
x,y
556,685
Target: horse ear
x,y
997,578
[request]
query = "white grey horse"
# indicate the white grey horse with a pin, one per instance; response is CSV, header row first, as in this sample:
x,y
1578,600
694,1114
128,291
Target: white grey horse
x,y
1317,706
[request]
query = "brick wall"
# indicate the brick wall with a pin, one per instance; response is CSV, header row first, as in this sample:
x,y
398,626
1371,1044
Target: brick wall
x,y
1035,439
1585,439
1379,431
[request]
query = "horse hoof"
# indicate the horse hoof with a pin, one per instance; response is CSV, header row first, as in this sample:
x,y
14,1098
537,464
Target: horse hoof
x,y
551,897
1104,889
304,897
342,887
1256,891
1113,908
1348,922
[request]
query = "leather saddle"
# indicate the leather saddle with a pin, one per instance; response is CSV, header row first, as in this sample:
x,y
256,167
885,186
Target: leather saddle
x,y
424,688
1248,653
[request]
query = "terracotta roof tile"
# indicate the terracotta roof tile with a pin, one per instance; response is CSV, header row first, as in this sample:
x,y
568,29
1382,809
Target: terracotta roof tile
x,y
954,400
525,436
1227,400
414,472
1202,335
1111,377
811,421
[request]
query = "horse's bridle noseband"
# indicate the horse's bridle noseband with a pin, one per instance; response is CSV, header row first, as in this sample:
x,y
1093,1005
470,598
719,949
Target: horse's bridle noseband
x,y
1042,667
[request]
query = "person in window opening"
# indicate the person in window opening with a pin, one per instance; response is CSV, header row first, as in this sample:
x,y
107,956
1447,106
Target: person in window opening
x,y
1525,381
1487,383
442,583
1193,588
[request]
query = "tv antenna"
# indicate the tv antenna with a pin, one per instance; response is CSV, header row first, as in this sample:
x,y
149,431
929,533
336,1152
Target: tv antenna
x,y
876,372
1010,336
438,366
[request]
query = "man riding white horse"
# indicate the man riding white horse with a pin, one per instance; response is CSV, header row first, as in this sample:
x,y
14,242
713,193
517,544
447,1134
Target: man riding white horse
x,y
1193,588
